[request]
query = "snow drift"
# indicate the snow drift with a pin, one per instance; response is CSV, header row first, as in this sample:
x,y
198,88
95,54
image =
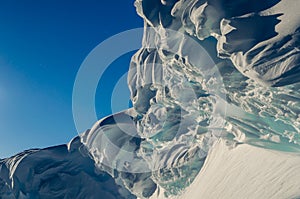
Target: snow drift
x,y
64,171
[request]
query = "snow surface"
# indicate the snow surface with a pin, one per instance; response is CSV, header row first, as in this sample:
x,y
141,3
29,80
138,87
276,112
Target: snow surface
x,y
240,172
246,172
201,79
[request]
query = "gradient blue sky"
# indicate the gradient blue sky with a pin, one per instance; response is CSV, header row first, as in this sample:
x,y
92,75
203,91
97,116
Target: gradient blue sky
x,y
42,45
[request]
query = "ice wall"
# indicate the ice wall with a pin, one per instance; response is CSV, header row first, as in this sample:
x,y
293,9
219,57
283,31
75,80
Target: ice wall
x,y
203,74
207,71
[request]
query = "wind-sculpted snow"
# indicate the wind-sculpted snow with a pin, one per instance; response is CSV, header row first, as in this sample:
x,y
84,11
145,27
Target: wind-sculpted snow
x,y
260,38
173,91
64,171
184,101
207,71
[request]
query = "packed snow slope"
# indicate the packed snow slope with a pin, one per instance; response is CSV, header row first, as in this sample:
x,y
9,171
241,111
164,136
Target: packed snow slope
x,y
246,172
216,112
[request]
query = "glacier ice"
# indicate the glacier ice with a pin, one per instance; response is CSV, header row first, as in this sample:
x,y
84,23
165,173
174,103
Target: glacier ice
x,y
208,70
184,101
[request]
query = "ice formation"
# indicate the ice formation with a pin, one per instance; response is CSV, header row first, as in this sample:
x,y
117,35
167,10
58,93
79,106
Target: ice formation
x,y
214,81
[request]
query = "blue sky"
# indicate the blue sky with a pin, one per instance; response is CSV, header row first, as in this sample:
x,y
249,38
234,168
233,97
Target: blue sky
x,y
42,45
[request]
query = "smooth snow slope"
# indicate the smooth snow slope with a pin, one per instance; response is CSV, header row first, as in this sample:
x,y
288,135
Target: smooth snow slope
x,y
246,172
